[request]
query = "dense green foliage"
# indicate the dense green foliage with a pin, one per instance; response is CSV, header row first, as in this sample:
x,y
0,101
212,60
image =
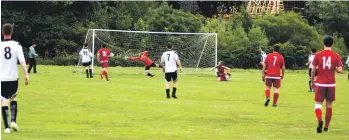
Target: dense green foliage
x,y
60,27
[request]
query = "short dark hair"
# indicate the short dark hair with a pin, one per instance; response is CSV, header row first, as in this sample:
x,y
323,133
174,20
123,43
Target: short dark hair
x,y
85,44
313,50
34,43
7,29
276,48
328,41
262,48
169,46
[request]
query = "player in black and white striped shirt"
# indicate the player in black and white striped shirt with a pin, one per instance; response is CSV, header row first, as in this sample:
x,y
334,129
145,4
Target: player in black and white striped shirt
x,y
11,52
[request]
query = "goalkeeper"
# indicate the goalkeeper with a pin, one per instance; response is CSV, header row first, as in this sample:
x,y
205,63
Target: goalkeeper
x,y
143,56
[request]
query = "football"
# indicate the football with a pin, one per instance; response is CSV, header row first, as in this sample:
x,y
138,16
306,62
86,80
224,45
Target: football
x,y
111,54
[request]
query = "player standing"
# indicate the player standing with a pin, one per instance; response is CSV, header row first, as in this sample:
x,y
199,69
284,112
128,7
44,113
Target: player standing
x,y
327,62
103,57
273,63
221,74
143,56
170,61
86,56
310,61
11,51
263,56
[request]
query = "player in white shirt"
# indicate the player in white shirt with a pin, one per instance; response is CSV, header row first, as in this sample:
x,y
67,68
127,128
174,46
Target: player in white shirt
x,y
310,61
170,62
11,51
263,56
86,57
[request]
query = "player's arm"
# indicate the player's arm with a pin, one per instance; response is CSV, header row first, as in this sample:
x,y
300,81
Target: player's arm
x,y
178,63
81,52
339,68
21,60
347,62
213,68
98,57
282,67
134,58
265,63
225,67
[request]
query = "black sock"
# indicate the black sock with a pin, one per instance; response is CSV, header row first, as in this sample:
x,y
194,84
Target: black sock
x,y
149,74
87,73
168,93
310,85
5,116
91,73
174,91
14,111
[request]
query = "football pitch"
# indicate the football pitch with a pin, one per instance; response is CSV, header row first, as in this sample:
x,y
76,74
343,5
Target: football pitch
x,y
61,105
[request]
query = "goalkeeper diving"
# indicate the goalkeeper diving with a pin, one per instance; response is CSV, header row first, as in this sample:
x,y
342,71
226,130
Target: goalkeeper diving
x,y
222,75
143,56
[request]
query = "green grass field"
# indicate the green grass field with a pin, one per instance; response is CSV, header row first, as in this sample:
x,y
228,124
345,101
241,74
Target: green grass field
x,y
61,105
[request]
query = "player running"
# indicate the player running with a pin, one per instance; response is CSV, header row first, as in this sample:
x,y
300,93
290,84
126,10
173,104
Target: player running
x,y
86,56
170,61
273,63
11,51
103,55
310,61
221,74
347,62
327,62
263,56
143,56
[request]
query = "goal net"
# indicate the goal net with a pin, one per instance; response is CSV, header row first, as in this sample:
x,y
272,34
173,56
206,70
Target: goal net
x,y
195,50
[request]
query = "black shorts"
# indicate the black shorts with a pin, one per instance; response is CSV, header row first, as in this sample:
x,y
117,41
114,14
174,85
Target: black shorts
x,y
86,64
151,65
9,89
310,72
171,76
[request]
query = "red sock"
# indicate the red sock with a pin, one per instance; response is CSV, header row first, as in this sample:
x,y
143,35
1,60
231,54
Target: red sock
x,y
267,93
276,97
318,113
328,117
106,74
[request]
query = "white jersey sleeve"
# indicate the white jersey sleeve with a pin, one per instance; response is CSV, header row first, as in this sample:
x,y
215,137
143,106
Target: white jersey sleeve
x,y
11,53
263,56
170,59
310,60
347,62
85,55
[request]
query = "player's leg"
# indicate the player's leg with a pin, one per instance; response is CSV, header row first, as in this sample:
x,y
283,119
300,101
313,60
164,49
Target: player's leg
x,y
146,72
167,84
30,64
5,94
14,106
330,98
277,85
175,84
90,69
105,70
34,65
86,69
268,84
309,82
319,98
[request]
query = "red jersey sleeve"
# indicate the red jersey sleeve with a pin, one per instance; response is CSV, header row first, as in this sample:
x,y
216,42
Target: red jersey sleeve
x,y
266,60
108,52
339,61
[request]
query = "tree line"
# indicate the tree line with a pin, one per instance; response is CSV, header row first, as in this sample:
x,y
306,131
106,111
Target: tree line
x,y
61,26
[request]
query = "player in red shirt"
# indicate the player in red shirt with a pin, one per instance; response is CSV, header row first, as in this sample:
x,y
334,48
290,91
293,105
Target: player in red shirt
x,y
273,64
103,57
221,74
328,62
143,56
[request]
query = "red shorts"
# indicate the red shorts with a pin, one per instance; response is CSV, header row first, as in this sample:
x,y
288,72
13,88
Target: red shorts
x,y
327,93
221,76
104,64
273,82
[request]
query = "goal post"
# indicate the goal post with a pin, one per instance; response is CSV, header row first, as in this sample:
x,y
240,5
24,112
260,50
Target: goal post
x,y
195,50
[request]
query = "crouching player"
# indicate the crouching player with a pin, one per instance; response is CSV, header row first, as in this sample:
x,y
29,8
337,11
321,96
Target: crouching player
x,y
221,74
143,56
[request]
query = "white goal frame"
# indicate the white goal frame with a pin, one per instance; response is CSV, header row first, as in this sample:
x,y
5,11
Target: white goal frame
x,y
148,32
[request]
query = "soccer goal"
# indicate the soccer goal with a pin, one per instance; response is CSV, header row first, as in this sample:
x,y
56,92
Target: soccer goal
x,y
195,50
